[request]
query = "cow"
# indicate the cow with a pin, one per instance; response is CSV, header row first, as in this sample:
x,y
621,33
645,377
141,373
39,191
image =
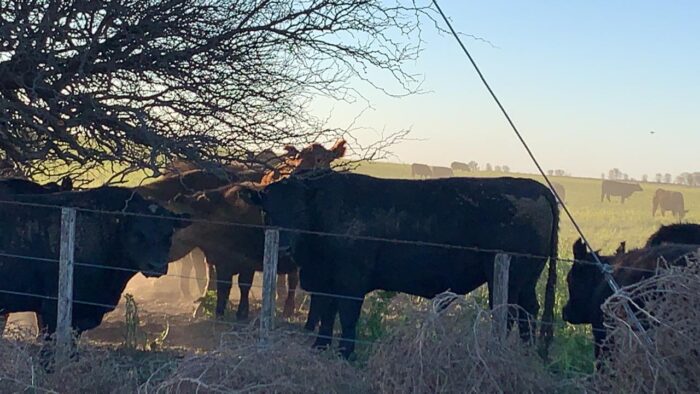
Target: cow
x,y
560,191
621,189
242,244
442,172
678,233
421,171
668,201
474,216
588,288
222,252
12,186
110,248
459,166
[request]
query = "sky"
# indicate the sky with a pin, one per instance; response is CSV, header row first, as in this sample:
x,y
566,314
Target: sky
x,y
585,81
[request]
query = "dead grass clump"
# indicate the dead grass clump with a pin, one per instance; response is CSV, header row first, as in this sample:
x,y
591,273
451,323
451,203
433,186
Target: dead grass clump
x,y
454,350
669,305
285,365
95,370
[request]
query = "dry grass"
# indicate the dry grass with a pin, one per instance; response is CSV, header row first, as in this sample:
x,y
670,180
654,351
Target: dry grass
x,y
671,308
454,350
285,365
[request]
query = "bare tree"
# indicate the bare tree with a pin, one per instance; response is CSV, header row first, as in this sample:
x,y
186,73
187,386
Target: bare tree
x,y
86,84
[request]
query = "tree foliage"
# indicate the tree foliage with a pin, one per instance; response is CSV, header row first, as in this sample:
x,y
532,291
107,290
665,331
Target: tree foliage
x,y
86,83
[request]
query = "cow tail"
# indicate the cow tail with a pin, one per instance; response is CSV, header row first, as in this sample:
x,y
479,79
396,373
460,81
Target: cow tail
x,y
547,323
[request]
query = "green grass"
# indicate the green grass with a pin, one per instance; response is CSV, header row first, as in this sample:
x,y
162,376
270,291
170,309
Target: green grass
x,y
605,224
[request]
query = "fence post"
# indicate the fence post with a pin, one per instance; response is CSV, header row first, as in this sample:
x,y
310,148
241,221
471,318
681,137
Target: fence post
x,y
64,331
267,315
501,266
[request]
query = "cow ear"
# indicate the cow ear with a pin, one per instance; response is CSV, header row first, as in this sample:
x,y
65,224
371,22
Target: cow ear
x,y
580,249
622,248
339,148
251,196
291,150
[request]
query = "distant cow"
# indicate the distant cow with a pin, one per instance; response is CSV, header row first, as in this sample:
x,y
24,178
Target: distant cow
x,y
442,172
518,215
421,171
621,189
559,189
679,233
669,201
459,166
123,243
588,289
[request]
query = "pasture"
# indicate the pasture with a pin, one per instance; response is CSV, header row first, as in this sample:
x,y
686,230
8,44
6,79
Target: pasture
x,y
165,312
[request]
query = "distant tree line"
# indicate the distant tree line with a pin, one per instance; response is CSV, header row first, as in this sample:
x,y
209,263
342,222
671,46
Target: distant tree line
x,y
685,178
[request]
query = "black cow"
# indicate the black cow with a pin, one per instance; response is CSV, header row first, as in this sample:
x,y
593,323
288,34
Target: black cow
x,y
621,189
669,201
123,243
517,215
12,186
588,289
679,233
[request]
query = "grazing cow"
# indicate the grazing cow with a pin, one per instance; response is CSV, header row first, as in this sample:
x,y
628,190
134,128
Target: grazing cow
x,y
559,189
231,257
517,215
124,243
679,233
459,166
421,171
588,289
442,172
668,201
621,189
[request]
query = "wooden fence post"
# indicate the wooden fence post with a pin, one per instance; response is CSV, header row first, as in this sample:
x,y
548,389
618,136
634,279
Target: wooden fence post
x,y
64,329
500,295
267,315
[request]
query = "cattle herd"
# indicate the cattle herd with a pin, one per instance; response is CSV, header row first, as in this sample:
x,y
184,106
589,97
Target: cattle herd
x,y
342,236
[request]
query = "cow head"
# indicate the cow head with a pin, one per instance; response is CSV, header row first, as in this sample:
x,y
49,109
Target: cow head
x,y
284,204
313,157
147,229
583,279
223,204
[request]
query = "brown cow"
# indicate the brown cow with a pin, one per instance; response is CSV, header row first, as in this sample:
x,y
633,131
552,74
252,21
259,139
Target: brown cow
x,y
421,171
621,189
442,172
668,201
228,249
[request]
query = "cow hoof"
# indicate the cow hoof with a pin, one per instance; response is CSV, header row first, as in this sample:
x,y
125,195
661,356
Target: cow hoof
x,y
310,326
241,316
287,312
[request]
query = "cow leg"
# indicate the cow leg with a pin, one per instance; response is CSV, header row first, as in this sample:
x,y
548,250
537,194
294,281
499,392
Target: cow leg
x,y
3,322
529,307
292,282
314,313
349,311
223,289
185,271
327,308
245,281
281,286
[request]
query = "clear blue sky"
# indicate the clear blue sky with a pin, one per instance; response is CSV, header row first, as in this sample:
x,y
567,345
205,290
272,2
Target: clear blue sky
x,y
586,82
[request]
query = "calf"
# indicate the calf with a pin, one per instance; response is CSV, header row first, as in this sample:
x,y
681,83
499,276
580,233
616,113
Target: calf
x,y
588,288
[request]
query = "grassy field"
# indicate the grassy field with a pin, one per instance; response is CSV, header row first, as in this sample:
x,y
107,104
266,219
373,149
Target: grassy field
x,y
605,224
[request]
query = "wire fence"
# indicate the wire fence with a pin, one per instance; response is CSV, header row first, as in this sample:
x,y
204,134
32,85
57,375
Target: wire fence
x,y
265,286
